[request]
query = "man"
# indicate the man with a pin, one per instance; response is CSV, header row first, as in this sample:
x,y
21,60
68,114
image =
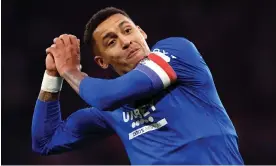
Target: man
x,y
164,106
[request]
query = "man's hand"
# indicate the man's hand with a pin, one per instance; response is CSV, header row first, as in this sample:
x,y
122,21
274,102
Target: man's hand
x,y
51,70
51,66
66,53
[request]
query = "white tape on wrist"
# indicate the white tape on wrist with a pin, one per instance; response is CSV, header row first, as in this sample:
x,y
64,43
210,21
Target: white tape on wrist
x,y
51,84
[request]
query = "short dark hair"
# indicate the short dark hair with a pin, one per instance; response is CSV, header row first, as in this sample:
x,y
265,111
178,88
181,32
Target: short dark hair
x,y
97,19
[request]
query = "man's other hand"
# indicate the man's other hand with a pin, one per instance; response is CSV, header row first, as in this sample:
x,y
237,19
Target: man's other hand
x,y
66,54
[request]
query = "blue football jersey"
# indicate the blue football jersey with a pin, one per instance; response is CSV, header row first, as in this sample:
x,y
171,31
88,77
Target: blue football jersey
x,y
166,111
160,130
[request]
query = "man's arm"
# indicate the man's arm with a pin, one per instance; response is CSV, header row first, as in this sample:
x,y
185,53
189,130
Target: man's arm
x,y
152,75
187,62
52,135
148,78
47,96
74,78
52,82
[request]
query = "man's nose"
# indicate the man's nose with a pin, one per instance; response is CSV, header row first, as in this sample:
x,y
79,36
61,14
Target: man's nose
x,y
125,42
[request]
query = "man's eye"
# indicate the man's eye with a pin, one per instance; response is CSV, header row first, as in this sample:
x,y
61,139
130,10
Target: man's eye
x,y
111,42
128,30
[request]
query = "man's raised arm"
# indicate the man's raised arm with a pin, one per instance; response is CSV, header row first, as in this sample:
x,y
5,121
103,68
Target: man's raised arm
x,y
51,134
150,76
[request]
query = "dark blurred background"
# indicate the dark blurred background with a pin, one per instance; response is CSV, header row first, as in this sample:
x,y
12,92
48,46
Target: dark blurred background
x,y
237,40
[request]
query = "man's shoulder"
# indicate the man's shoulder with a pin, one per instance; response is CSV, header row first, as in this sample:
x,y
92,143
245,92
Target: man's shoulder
x,y
173,40
172,46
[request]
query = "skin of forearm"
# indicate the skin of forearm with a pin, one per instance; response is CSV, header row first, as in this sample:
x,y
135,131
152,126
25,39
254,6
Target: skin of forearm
x,y
48,96
74,78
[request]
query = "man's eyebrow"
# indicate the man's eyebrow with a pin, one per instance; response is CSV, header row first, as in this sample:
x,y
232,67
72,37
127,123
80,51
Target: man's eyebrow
x,y
108,35
122,23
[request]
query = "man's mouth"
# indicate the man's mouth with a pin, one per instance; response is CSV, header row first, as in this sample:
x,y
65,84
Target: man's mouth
x,y
132,53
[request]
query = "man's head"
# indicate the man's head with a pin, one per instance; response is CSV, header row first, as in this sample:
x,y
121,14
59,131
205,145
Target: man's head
x,y
115,40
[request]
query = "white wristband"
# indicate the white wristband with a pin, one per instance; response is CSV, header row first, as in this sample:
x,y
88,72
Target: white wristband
x,y
51,84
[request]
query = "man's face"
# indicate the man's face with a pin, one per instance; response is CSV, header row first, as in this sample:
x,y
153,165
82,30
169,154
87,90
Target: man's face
x,y
120,43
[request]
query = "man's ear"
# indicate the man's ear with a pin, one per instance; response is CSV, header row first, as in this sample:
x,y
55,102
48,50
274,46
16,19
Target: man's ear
x,y
142,32
101,62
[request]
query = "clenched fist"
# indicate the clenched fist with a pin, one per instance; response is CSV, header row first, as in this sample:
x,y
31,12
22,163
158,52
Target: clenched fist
x,y
66,53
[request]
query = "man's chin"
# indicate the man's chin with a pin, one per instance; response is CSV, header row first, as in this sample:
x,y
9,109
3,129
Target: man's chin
x,y
131,66
137,59
133,62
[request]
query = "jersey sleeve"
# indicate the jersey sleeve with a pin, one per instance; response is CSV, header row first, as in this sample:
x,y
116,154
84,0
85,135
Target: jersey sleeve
x,y
150,76
52,135
185,59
